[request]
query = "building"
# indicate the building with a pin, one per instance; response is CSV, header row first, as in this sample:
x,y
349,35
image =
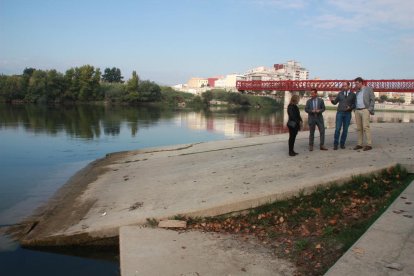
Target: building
x,y
229,82
292,70
197,82
212,82
262,74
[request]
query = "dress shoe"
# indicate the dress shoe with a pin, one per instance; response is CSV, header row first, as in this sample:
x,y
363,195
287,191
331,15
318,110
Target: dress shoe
x,y
292,154
323,148
335,147
357,147
310,148
342,146
295,153
367,148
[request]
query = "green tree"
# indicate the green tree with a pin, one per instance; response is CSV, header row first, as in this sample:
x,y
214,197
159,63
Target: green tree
x,y
28,71
207,97
11,88
132,86
112,75
89,82
132,83
149,91
55,85
383,98
112,92
72,85
36,89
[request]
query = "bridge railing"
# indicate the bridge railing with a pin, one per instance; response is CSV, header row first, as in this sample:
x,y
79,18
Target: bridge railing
x,y
403,85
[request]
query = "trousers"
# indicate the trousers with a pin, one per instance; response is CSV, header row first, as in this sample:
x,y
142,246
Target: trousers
x,y
362,122
342,121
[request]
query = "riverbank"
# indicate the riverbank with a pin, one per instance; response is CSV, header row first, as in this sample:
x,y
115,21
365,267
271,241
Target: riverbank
x,y
203,179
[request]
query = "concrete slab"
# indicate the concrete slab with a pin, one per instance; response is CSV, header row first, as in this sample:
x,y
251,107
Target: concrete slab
x,y
390,240
206,179
149,252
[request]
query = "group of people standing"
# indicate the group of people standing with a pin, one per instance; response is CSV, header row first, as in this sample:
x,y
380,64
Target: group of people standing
x,y
362,103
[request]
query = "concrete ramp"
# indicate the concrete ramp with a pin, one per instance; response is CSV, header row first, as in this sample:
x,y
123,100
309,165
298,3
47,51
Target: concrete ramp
x,y
149,252
207,179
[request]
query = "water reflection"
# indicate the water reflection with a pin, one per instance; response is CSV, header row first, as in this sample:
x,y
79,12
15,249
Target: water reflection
x,y
235,122
91,122
84,121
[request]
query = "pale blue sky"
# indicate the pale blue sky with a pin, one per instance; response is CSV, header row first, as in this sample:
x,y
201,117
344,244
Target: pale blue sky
x,y
169,41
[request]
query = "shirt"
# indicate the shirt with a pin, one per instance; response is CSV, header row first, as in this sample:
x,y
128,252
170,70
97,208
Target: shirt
x,y
360,99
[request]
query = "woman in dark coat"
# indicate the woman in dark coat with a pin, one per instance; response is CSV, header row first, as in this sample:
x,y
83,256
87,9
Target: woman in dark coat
x,y
294,115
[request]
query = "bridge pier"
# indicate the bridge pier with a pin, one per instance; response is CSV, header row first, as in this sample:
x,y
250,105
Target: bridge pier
x,y
286,99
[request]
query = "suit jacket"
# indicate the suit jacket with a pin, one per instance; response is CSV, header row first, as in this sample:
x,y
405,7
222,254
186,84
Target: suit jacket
x,y
369,98
345,103
315,116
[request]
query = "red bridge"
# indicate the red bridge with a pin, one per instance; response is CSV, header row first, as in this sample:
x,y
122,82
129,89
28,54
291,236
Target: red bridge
x,y
405,86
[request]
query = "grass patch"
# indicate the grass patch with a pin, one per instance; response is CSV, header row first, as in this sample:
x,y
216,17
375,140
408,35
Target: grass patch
x,y
152,222
314,230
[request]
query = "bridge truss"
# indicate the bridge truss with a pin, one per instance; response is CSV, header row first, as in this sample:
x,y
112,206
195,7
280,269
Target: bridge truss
x,y
398,86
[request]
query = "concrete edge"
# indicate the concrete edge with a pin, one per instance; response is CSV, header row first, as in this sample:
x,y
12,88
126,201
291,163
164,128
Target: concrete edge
x,y
259,201
98,237
355,257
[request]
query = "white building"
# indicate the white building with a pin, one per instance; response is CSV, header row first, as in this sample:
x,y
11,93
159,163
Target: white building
x,y
263,74
228,82
292,70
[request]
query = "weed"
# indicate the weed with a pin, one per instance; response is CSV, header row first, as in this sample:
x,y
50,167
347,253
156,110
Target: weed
x,y
152,222
273,234
328,230
179,217
317,198
301,245
330,210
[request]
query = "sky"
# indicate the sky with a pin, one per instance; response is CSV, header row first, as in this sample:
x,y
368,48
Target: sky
x,y
170,41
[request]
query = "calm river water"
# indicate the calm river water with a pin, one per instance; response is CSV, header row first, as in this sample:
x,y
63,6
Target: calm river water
x,y
41,147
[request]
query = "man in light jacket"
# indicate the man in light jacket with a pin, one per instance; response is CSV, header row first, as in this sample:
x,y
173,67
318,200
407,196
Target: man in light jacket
x,y
365,103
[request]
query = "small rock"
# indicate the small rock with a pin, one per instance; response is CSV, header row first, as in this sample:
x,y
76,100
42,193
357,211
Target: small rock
x,y
395,266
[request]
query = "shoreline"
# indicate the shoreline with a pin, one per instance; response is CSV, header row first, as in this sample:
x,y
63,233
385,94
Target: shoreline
x,y
55,214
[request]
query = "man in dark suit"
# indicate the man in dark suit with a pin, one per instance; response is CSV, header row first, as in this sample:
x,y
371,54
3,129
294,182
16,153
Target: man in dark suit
x,y
315,107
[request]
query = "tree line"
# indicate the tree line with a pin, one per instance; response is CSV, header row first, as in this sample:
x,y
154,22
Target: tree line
x,y
78,84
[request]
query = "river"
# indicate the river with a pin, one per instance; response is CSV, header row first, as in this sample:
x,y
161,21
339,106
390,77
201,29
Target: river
x,y
42,146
